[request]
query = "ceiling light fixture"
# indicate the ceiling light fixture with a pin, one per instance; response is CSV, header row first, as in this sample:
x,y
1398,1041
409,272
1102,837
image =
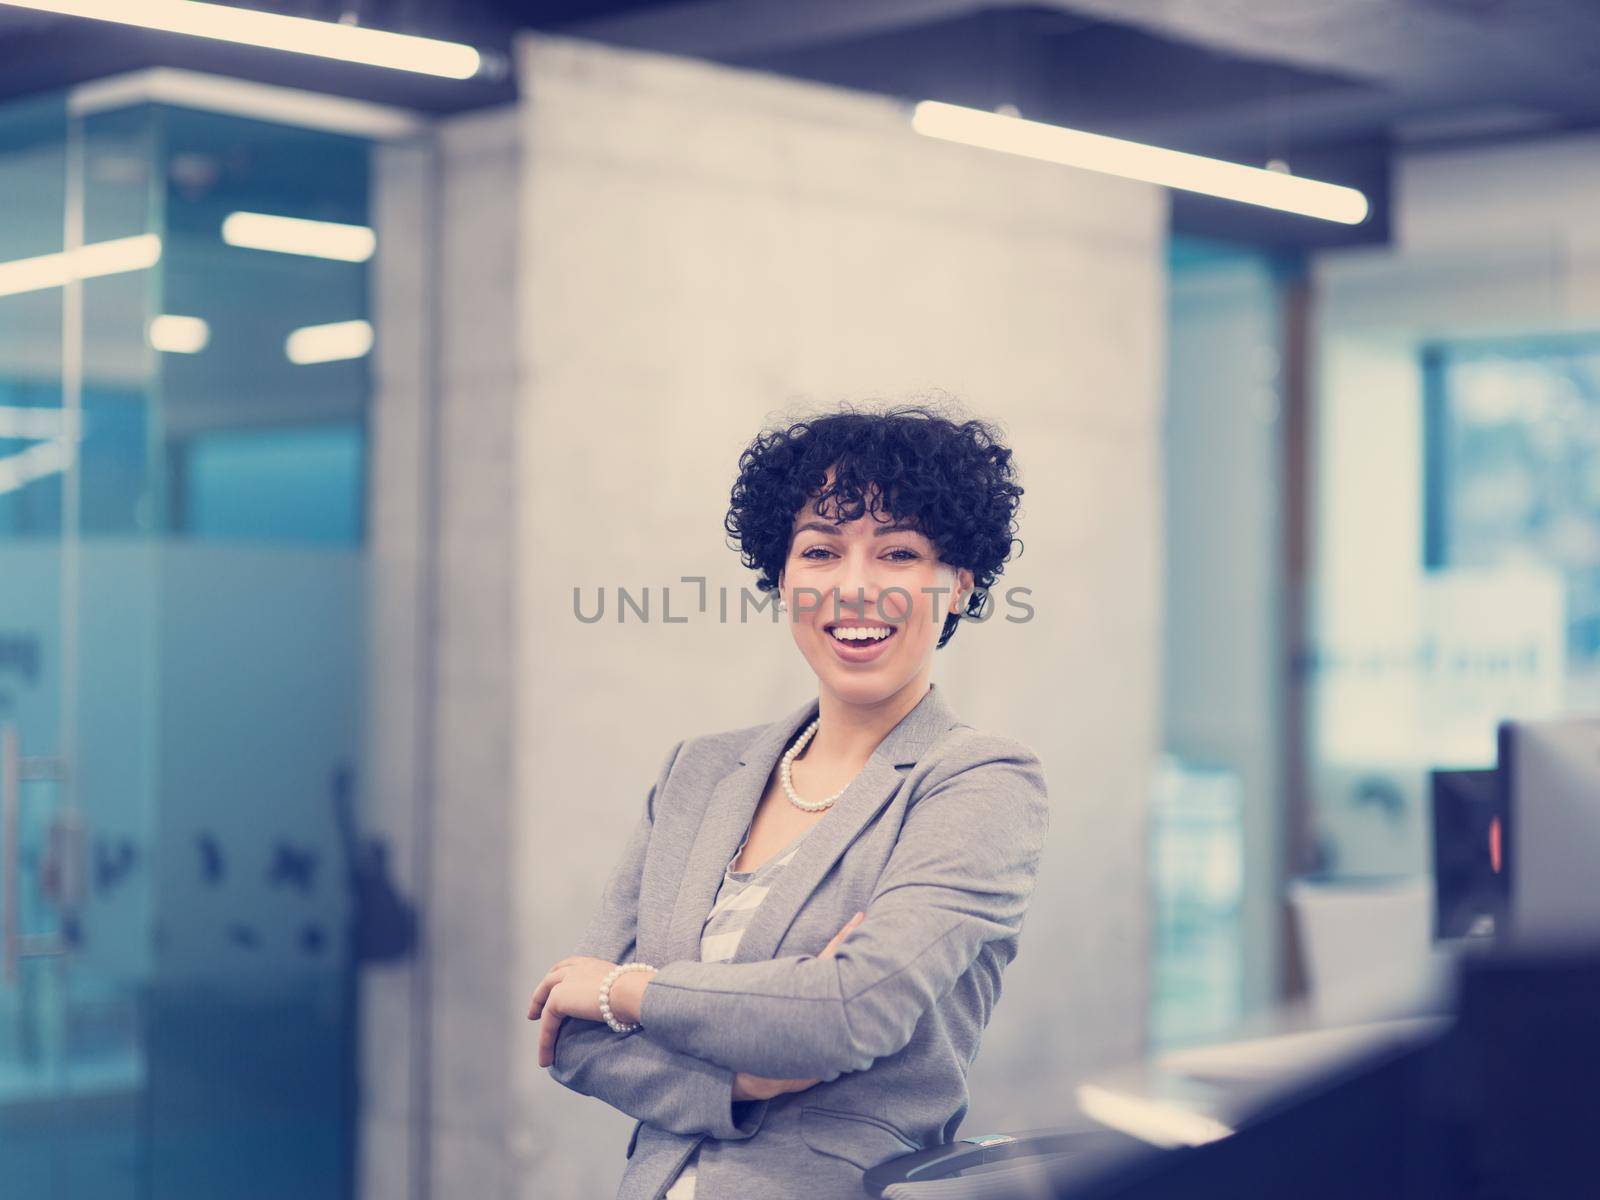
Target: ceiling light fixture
x,y
329,343
172,334
275,31
1133,160
37,461
37,423
294,235
86,262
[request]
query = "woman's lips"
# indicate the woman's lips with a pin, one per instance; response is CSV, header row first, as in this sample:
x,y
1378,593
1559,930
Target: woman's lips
x,y
863,650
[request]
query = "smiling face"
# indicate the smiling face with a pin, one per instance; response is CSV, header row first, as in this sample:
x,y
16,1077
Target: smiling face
x,y
862,602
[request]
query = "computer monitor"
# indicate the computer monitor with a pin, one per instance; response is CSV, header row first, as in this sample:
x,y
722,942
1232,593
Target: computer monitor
x,y
1471,873
1516,848
1550,772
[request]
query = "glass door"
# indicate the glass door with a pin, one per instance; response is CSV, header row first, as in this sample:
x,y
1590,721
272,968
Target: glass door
x,y
183,392
32,443
76,256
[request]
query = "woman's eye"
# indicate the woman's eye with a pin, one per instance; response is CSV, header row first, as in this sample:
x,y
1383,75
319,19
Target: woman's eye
x,y
899,554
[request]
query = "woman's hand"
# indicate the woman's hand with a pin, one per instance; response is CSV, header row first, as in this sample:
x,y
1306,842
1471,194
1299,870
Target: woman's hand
x,y
754,1087
570,989
757,1087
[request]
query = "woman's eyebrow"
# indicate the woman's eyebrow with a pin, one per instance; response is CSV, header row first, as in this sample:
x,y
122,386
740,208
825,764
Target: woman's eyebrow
x,y
881,531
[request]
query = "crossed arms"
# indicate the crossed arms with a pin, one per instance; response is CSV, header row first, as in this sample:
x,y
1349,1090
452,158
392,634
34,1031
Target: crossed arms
x,y
961,874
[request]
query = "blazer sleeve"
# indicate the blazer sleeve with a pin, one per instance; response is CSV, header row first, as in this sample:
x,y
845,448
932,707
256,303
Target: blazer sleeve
x,y
650,1082
961,874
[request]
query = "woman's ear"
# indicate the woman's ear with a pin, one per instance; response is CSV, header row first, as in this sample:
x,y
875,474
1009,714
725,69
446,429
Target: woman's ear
x,y
958,602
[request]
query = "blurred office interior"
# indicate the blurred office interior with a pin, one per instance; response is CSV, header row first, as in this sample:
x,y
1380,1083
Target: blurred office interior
x,y
327,390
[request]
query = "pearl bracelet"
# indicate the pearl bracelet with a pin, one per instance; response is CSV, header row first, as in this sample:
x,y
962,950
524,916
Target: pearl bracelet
x,y
605,995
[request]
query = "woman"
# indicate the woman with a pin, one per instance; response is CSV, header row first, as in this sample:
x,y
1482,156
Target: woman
x,y
794,960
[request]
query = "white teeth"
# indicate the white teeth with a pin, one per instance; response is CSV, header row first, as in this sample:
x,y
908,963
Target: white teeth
x,y
853,633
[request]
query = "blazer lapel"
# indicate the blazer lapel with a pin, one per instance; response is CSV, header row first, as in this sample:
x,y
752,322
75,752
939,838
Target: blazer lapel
x,y
727,815
733,804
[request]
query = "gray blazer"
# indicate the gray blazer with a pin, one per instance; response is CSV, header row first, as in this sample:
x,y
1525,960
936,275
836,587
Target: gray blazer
x,y
937,840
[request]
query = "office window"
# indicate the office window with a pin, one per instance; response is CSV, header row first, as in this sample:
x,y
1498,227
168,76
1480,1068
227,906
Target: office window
x,y
1513,472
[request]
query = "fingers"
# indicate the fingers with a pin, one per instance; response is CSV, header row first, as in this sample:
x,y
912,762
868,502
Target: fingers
x,y
547,1038
839,937
844,933
757,1087
550,980
542,993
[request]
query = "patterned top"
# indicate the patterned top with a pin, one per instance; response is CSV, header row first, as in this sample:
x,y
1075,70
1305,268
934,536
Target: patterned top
x,y
738,898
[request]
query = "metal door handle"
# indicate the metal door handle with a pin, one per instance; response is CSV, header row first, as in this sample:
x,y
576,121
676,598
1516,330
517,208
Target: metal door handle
x,y
15,945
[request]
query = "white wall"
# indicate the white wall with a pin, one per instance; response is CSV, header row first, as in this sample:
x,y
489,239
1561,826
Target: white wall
x,y
436,1069
390,789
701,247
475,1015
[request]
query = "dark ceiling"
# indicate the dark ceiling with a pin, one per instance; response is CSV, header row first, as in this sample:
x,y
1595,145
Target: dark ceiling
x,y
1328,85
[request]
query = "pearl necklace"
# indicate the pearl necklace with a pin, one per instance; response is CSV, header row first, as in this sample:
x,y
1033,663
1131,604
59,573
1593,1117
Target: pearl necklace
x,y
785,776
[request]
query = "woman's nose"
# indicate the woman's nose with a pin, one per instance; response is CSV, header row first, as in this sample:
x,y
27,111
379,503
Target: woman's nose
x,y
851,600
859,590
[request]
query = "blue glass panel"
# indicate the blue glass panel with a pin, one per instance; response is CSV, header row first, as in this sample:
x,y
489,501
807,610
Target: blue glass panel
x,y
300,485
198,1038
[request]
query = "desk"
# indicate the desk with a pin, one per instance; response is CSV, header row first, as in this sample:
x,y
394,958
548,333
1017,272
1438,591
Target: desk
x,y
1198,1095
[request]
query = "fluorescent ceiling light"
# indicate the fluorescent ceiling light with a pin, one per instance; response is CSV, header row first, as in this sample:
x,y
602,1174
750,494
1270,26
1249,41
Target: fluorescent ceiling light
x,y
37,461
179,335
28,423
99,258
1131,160
274,31
293,235
329,343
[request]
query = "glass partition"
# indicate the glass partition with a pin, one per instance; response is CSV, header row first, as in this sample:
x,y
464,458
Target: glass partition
x,y
183,386
37,443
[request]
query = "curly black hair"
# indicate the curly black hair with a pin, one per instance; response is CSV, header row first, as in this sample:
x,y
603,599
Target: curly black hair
x,y
952,480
